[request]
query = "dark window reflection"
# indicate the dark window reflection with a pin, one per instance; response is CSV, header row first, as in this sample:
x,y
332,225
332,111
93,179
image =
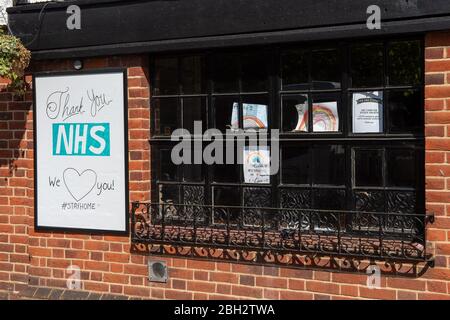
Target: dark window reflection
x,y
193,80
193,172
295,113
226,113
226,196
294,70
254,72
168,168
296,165
369,168
405,111
166,79
194,109
401,168
326,69
226,173
329,165
169,193
225,73
405,63
367,65
329,199
166,115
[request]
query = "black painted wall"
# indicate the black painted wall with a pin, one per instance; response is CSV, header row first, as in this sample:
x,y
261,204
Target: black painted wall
x,y
114,26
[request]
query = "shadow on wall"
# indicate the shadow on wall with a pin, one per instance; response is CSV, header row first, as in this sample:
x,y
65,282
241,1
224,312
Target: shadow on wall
x,y
16,141
266,258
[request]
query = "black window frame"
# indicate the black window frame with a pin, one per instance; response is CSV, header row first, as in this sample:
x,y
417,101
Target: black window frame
x,y
344,136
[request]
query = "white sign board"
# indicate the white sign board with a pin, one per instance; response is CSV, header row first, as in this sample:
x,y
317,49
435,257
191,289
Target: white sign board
x,y
256,165
81,151
368,112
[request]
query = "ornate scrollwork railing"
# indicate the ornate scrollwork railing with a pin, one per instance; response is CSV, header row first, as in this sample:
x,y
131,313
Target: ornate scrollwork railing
x,y
292,232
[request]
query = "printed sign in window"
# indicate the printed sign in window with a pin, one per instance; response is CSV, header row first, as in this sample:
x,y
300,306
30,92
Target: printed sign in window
x,y
368,112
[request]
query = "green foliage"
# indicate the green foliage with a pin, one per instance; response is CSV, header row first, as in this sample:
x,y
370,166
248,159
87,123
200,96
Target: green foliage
x,y
14,59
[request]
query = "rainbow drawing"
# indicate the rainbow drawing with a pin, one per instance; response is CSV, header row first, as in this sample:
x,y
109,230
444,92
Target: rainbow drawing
x,y
325,117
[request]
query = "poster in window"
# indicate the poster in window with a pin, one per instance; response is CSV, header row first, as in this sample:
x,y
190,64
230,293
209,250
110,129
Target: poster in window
x,y
235,117
302,112
368,112
81,151
256,165
255,116
325,116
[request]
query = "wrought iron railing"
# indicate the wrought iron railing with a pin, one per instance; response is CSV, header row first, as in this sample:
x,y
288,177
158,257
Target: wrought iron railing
x,y
336,233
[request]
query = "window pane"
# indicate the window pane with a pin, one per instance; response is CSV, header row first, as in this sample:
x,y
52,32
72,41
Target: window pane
x,y
367,65
401,169
192,75
326,70
166,115
226,173
226,73
405,63
255,112
166,80
193,172
295,113
254,72
405,111
294,69
325,114
329,199
169,193
226,196
368,168
194,109
296,165
168,168
329,165
226,113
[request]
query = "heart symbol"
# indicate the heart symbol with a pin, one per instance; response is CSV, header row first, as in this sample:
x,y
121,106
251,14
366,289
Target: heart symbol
x,y
78,184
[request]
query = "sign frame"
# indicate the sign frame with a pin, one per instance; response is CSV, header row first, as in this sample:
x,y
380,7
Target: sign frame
x,y
40,228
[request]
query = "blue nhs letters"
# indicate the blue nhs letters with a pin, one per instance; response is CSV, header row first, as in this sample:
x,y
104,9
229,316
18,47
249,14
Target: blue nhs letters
x,y
81,139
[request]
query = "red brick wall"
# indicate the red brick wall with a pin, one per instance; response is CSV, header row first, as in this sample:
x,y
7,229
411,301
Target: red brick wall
x,y
107,263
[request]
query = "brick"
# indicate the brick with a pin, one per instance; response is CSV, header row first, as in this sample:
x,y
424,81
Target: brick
x,y
324,287
201,286
201,264
374,293
296,273
434,53
434,79
247,280
295,295
271,282
433,296
137,291
406,295
411,284
244,291
177,295
223,277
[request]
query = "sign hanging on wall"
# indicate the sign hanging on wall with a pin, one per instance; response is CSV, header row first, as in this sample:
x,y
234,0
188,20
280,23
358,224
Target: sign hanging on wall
x,y
80,139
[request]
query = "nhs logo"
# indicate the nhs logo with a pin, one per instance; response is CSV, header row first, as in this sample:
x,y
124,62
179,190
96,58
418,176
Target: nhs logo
x,y
81,139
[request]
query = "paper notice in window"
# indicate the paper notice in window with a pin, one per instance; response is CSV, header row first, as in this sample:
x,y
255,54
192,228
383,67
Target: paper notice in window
x,y
256,165
368,112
